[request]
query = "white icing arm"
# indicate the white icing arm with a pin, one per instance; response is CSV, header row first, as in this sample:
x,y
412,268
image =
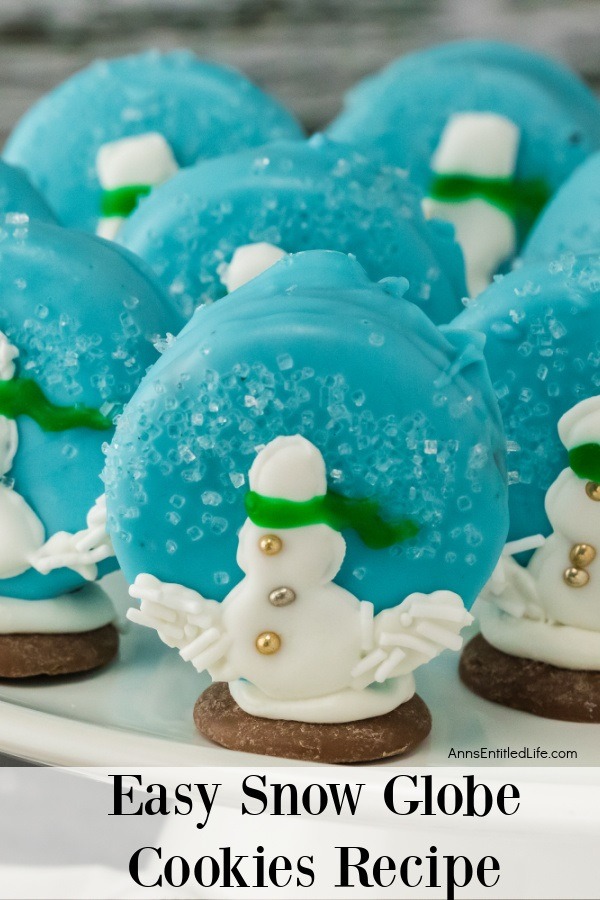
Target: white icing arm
x,y
512,589
511,586
412,634
183,618
81,551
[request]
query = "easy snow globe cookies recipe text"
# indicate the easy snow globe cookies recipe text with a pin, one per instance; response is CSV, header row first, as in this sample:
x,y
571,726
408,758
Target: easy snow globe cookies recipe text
x,y
77,317
307,492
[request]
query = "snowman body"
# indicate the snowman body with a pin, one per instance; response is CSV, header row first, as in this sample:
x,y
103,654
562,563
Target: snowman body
x,y
22,532
319,629
575,518
550,611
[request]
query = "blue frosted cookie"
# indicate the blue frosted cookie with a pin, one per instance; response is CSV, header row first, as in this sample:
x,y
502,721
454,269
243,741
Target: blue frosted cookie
x,y
571,221
78,318
294,196
541,324
403,413
489,132
178,109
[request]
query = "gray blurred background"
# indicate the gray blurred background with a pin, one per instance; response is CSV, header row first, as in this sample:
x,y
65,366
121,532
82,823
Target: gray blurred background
x,y
308,52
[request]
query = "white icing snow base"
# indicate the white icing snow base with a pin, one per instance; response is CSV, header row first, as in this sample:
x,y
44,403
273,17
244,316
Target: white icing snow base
x,y
344,706
533,612
83,610
558,645
335,661
483,145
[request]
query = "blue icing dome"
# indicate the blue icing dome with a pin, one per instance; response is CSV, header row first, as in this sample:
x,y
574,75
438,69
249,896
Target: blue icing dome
x,y
18,195
542,327
202,110
298,196
571,222
402,411
82,314
400,113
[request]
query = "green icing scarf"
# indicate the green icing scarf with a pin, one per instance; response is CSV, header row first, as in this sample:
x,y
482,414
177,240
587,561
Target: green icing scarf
x,y
585,462
24,397
524,199
122,201
334,510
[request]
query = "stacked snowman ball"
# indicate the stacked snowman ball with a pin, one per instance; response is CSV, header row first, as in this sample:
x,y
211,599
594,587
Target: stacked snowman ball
x,y
327,378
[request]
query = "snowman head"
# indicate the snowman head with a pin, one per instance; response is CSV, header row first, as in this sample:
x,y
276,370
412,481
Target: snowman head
x,y
8,354
287,478
570,505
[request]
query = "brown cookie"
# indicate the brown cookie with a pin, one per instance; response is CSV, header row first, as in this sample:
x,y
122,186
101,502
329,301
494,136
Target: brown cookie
x,y
218,717
27,655
534,687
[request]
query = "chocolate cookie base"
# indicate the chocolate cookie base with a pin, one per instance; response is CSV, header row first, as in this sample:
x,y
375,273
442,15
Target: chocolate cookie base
x,y
535,687
218,717
29,655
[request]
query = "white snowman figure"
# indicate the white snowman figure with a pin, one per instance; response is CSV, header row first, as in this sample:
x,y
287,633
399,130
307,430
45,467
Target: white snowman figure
x,y
550,611
127,170
23,544
479,147
291,643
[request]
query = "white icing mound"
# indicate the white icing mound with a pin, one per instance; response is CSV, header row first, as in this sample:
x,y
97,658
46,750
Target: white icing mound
x,y
549,642
344,706
83,610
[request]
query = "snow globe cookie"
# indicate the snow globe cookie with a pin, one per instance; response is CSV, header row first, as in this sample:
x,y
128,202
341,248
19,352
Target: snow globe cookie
x,y
220,223
571,221
541,324
539,647
501,130
111,132
319,493
76,320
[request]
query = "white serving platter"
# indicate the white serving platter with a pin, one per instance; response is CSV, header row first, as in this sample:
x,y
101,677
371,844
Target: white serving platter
x,y
138,712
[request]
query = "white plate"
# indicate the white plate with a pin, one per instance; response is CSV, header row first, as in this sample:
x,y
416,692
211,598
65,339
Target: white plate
x,y
138,711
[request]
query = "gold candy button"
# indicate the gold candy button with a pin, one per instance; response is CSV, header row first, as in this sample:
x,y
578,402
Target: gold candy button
x,y
268,642
270,544
593,490
582,555
576,577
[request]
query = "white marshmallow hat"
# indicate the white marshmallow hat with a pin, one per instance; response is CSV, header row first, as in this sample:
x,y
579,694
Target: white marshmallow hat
x,y
144,159
581,424
289,468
